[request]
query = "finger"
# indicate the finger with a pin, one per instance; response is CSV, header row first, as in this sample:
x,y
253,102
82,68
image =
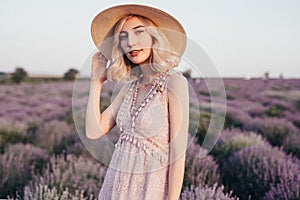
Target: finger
x,y
96,56
102,57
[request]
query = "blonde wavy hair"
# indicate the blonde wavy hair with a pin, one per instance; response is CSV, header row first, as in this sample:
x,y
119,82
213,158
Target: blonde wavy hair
x,y
162,58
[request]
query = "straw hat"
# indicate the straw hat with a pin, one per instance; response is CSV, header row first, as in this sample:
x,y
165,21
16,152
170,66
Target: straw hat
x,y
103,24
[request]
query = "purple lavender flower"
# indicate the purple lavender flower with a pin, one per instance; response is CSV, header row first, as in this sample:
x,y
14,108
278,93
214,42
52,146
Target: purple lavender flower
x,y
55,136
275,130
291,144
17,165
283,191
253,170
206,192
200,171
75,173
233,140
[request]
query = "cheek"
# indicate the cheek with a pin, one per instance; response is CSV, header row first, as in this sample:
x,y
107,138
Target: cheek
x,y
148,45
146,41
150,42
122,46
148,52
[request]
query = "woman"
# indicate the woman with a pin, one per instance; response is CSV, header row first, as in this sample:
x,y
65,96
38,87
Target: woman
x,y
143,44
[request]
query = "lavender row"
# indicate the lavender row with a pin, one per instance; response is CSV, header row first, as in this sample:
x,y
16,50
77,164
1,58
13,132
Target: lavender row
x,y
261,134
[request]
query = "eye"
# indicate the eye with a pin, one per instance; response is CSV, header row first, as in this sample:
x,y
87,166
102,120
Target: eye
x,y
122,37
139,31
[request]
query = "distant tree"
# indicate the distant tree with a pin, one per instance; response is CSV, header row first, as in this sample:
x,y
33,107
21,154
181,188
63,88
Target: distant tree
x,y
267,75
281,76
187,73
19,75
71,74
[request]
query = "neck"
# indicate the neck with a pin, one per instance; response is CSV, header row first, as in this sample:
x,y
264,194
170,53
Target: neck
x,y
148,73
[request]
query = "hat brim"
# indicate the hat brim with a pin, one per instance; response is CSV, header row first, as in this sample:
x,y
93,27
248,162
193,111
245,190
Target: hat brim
x,y
102,26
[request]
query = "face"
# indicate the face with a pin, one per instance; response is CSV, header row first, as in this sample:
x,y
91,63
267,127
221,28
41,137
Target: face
x,y
135,42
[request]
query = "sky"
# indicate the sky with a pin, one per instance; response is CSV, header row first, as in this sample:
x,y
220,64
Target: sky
x,y
242,38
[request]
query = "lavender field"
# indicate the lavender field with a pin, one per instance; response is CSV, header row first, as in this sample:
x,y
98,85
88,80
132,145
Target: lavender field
x,y
42,156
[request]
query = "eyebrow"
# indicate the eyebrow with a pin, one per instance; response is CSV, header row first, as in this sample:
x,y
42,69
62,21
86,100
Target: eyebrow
x,y
139,26
136,27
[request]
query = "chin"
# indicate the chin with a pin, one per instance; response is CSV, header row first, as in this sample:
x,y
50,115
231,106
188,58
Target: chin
x,y
139,61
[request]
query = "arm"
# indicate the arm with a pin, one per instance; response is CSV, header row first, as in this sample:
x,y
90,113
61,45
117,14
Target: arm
x,y
98,124
178,100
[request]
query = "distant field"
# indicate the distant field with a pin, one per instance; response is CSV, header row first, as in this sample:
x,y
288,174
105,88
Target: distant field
x,y
37,78
257,155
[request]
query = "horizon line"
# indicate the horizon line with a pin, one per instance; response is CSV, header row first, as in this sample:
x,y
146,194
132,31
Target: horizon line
x,y
41,74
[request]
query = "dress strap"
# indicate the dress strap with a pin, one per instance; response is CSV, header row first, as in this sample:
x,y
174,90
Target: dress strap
x,y
165,82
130,87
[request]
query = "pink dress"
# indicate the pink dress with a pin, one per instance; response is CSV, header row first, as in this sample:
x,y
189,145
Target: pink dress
x,y
139,166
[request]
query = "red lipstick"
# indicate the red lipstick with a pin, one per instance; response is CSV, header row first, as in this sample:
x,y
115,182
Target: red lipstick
x,y
134,53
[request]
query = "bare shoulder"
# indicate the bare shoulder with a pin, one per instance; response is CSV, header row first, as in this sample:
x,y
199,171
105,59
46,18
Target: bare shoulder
x,y
177,82
126,86
177,88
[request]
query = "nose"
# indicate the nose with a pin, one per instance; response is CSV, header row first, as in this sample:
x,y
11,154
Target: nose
x,y
131,40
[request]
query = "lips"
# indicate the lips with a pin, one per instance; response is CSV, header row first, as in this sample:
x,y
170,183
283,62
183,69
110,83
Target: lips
x,y
134,53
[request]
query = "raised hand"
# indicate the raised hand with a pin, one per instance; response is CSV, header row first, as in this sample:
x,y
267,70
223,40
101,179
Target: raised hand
x,y
99,70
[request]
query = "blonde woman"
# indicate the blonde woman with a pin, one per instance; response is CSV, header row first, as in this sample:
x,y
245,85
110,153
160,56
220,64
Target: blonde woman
x,y
143,45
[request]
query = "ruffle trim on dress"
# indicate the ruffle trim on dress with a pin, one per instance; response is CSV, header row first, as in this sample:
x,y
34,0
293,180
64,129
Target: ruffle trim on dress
x,y
158,152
